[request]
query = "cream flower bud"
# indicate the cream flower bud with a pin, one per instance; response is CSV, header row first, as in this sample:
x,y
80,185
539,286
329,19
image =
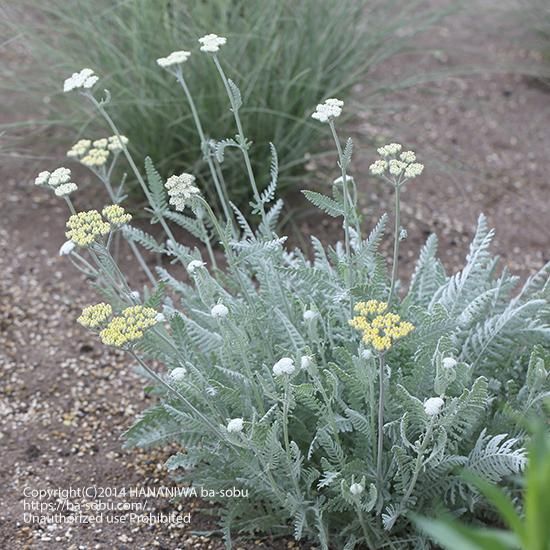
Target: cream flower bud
x,y
449,362
178,374
193,265
356,489
284,366
66,248
433,405
219,311
306,361
235,425
310,315
366,354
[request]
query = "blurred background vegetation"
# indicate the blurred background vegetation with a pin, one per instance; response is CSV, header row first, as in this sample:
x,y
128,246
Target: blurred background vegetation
x,y
286,56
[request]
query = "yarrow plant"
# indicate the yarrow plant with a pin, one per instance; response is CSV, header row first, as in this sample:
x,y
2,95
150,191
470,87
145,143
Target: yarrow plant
x,y
341,399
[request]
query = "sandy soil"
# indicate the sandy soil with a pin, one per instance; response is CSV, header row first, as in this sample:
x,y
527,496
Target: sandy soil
x,y
65,400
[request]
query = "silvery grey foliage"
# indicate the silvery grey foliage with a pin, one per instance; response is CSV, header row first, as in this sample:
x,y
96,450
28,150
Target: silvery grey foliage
x,y
267,387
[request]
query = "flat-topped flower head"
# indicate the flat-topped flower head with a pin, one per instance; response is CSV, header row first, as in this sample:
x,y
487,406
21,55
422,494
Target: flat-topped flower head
x,y
180,189
211,43
129,327
95,158
65,189
379,328
116,143
85,79
329,110
95,316
85,228
58,180
116,215
175,58
398,164
284,366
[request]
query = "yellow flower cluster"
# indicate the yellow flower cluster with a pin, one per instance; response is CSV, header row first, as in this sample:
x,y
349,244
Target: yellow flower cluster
x,y
116,215
95,316
380,329
85,227
129,326
96,153
95,157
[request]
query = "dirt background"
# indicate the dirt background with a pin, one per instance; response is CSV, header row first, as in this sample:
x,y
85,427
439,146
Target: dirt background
x,y
65,400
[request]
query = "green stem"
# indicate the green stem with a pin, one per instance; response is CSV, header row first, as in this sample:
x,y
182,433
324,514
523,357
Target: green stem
x,y
418,466
395,244
181,397
346,202
380,446
286,404
131,162
70,204
364,528
141,261
204,144
235,111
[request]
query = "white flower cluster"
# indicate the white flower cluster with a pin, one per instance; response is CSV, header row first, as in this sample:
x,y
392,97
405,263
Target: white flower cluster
x,y
449,362
178,374
180,189
219,311
235,425
175,58
86,78
211,43
433,406
284,366
193,265
310,315
59,180
330,109
397,163
96,153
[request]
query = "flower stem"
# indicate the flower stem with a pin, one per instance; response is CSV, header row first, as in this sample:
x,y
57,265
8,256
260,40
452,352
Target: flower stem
x,y
242,138
346,202
181,397
107,183
204,145
131,162
381,367
395,244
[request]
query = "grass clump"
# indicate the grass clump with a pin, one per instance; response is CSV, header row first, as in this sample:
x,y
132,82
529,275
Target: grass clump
x,y
284,56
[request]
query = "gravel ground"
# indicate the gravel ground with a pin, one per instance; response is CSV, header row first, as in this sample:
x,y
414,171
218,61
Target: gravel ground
x,y
65,399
